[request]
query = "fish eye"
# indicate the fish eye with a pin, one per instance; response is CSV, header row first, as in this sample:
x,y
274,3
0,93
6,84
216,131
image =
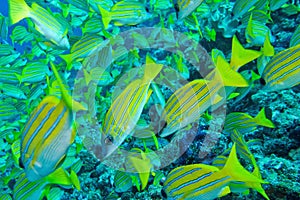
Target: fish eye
x,y
109,140
163,193
21,163
262,81
176,6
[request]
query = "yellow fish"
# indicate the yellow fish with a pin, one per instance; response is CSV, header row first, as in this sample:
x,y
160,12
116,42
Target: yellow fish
x,y
48,134
283,70
44,22
200,181
126,109
193,99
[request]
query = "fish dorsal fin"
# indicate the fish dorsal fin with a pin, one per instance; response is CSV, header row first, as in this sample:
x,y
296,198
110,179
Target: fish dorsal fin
x,y
71,104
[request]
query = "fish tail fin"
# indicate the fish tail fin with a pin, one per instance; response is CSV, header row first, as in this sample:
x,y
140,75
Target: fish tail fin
x,y
19,77
236,171
228,76
106,17
241,56
151,70
68,59
261,119
59,176
71,104
268,49
75,180
18,10
257,186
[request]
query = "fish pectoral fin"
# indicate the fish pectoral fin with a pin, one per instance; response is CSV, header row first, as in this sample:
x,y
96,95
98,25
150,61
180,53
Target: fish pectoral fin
x,y
224,191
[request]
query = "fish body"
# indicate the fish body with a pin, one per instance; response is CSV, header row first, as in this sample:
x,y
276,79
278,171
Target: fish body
x,y
126,12
48,134
46,138
82,48
295,37
283,70
193,99
33,72
12,91
256,32
44,22
200,181
186,7
8,75
244,151
126,109
8,111
241,7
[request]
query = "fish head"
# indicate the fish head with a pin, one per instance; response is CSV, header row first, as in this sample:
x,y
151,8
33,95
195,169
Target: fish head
x,y
106,148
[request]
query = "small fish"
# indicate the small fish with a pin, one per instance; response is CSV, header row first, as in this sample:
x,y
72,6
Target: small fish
x,y
44,22
245,123
122,181
27,190
126,109
48,134
8,75
283,70
244,151
126,12
6,49
8,111
12,91
81,4
295,37
241,7
33,72
3,28
21,35
143,167
92,25
276,4
186,7
82,48
193,99
7,60
200,181
161,5
256,32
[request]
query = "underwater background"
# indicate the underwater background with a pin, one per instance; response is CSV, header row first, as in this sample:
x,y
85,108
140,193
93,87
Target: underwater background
x,y
159,99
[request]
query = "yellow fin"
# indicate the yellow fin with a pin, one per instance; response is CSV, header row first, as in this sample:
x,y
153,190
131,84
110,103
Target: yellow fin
x,y
224,192
268,49
72,105
262,120
106,17
18,10
151,70
234,169
241,56
68,58
229,76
